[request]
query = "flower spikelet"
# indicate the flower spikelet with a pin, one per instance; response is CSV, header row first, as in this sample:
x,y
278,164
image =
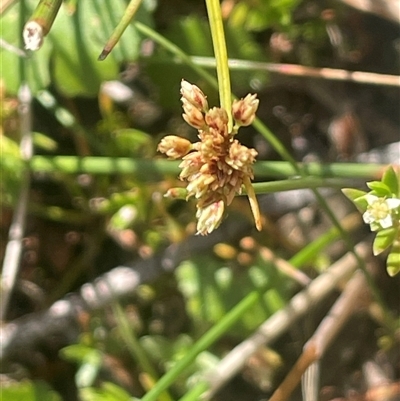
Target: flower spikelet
x,y
244,110
217,166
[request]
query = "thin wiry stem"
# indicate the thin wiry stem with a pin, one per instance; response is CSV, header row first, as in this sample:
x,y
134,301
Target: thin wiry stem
x,y
119,30
332,74
221,56
13,250
262,169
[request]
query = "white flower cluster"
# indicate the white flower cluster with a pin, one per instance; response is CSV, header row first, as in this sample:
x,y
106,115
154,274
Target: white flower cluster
x,y
381,213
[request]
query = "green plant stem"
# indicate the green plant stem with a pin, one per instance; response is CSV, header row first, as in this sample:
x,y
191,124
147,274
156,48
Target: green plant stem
x,y
143,169
209,338
22,62
221,56
333,74
131,341
40,23
119,30
337,170
176,51
300,183
195,393
45,14
157,167
307,254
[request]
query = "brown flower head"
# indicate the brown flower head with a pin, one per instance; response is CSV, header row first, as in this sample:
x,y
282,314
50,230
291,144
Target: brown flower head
x,y
218,166
244,110
192,115
175,147
192,94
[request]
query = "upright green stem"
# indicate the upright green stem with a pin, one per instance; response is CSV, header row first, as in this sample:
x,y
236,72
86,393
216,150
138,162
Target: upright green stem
x,y
119,30
221,55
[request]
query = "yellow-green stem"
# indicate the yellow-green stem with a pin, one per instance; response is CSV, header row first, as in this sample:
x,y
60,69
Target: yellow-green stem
x,y
221,55
129,14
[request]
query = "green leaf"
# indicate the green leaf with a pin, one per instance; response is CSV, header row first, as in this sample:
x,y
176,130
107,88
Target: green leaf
x,y
393,260
76,69
392,179
44,142
89,359
357,197
88,371
352,193
76,352
384,239
28,391
124,217
379,188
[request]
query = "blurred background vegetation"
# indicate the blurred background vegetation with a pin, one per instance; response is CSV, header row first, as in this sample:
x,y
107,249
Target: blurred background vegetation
x,y
83,220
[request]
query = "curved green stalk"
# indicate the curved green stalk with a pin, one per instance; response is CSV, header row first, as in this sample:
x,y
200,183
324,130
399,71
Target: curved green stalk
x,y
221,55
119,30
176,51
299,183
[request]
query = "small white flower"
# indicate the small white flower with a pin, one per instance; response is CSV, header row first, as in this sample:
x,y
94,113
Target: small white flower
x,y
379,211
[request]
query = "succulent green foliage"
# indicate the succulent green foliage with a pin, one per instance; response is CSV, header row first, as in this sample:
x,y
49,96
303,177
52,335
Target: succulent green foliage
x,y
384,239
28,391
70,51
391,179
211,290
393,259
381,210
